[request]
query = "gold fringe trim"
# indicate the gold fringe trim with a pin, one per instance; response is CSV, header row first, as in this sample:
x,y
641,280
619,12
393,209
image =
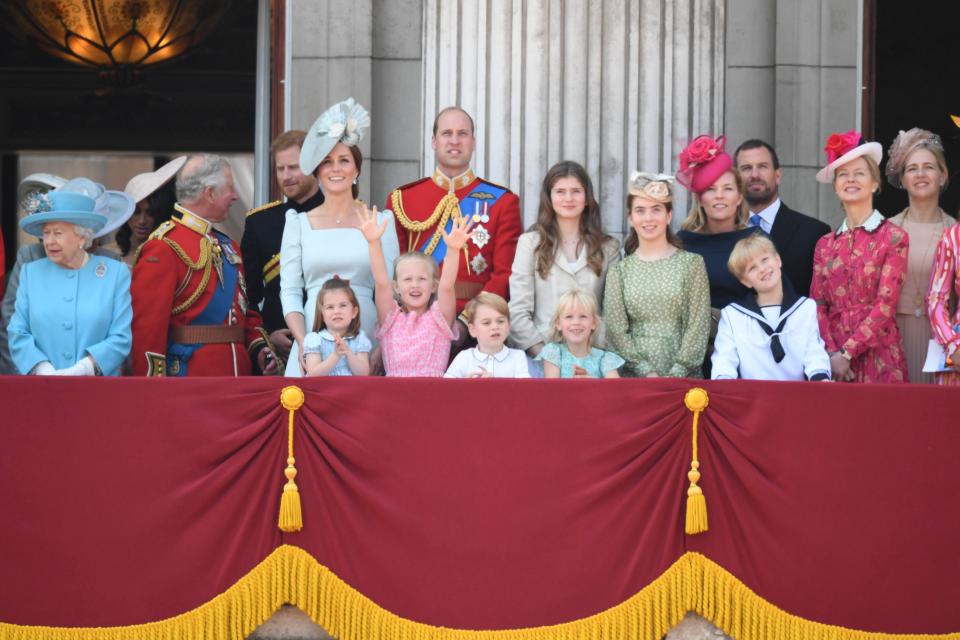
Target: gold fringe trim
x,y
291,575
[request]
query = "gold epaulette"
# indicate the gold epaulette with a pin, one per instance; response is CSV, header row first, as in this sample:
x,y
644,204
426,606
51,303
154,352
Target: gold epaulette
x,y
157,234
263,206
164,228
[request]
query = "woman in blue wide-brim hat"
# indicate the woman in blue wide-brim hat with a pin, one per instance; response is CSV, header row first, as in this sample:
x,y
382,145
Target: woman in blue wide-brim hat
x,y
72,314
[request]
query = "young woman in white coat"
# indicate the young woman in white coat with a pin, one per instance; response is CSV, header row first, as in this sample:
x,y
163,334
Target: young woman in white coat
x,y
565,249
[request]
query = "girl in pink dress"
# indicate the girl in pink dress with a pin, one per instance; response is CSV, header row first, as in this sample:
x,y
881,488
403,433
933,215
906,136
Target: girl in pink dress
x,y
415,335
945,287
858,270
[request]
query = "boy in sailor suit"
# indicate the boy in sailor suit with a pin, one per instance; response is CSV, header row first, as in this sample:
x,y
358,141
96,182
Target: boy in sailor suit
x,y
772,333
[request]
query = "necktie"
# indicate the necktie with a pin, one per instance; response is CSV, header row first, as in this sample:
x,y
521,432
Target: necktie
x,y
756,221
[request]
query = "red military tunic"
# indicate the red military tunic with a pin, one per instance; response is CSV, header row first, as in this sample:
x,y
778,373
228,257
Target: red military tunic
x,y
486,263
177,275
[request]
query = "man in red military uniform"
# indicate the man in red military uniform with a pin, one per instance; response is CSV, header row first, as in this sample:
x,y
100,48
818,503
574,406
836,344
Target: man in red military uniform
x,y
424,207
190,311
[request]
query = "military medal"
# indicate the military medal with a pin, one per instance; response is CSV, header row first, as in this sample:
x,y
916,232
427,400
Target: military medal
x,y
477,215
232,256
480,236
218,260
101,270
479,263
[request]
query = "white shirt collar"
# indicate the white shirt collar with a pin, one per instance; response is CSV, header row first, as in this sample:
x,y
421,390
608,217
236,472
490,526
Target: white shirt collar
x,y
869,225
500,356
768,214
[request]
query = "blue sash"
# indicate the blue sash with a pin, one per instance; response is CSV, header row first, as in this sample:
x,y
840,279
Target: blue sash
x,y
484,192
215,313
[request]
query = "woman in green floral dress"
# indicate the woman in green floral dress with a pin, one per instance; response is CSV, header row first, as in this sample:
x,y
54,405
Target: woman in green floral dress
x,y
657,299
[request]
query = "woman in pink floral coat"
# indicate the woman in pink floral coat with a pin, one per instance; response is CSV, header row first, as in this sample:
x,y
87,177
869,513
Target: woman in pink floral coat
x,y
858,270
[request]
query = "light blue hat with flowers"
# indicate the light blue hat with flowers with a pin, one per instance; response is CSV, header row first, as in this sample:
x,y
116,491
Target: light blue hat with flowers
x,y
60,206
344,122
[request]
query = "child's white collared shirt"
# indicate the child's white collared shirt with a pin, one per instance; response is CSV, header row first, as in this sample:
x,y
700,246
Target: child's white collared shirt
x,y
744,349
507,363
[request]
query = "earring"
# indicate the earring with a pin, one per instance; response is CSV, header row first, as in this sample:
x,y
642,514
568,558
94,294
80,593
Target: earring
x,y
356,180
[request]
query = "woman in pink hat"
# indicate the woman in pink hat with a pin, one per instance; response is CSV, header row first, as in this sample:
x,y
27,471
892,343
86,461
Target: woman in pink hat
x,y
916,164
716,222
858,270
718,214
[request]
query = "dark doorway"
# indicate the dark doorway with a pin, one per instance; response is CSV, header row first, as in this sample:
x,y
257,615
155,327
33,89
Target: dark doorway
x,y
915,51
202,101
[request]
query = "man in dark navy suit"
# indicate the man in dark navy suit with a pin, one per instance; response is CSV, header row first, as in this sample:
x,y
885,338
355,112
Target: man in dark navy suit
x,y
794,234
264,230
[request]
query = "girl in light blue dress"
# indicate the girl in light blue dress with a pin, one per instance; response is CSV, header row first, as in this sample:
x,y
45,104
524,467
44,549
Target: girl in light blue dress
x,y
570,352
337,346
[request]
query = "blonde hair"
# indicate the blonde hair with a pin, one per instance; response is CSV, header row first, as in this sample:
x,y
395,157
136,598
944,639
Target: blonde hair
x,y
571,299
746,250
421,257
485,299
415,255
696,219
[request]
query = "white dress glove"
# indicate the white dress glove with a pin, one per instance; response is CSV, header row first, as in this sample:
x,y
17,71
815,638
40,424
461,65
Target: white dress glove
x,y
44,369
84,367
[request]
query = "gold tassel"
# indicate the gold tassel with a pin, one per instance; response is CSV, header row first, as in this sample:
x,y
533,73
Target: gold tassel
x,y
291,516
696,401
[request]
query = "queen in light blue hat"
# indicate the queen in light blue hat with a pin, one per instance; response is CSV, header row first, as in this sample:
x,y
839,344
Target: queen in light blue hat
x,y
345,122
61,206
72,312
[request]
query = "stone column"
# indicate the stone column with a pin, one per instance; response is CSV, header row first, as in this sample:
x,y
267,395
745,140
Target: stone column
x,y
617,85
332,59
370,50
817,89
792,79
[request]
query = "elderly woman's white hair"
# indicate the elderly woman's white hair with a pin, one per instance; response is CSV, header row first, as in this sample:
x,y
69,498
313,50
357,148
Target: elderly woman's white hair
x,y
86,233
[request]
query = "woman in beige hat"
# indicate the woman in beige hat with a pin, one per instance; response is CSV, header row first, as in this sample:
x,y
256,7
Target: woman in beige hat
x,y
155,202
917,164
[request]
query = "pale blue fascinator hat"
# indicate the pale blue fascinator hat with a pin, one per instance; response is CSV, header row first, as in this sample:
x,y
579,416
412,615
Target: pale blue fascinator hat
x,y
60,206
115,206
344,122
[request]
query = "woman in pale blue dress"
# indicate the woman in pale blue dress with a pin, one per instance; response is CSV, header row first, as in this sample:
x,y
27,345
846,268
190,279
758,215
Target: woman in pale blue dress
x,y
325,242
72,314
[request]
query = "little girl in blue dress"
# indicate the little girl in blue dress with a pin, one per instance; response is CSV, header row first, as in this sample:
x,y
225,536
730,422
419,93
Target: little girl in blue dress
x,y
570,352
337,345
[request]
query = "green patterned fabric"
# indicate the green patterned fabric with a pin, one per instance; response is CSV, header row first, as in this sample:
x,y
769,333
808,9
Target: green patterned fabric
x,y
658,314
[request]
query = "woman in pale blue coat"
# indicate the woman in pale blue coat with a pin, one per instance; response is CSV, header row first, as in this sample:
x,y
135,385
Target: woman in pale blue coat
x,y
72,314
326,242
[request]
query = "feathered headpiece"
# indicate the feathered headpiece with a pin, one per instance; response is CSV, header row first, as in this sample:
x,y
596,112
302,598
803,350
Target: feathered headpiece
x,y
344,122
